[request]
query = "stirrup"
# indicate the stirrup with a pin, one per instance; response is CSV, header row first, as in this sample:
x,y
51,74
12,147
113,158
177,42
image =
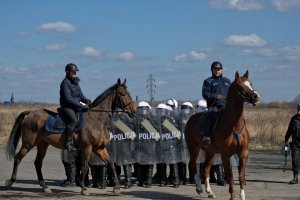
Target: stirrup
x,y
206,140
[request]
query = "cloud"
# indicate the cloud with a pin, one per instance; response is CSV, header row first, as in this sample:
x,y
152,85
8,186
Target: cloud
x,y
261,52
243,5
285,5
22,33
56,26
92,52
126,56
13,70
54,47
291,53
244,40
190,57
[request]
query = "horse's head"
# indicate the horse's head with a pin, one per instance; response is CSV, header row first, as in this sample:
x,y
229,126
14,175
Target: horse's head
x,y
244,89
123,99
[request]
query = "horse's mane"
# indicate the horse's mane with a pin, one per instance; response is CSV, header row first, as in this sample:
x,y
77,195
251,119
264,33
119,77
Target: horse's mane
x,y
104,94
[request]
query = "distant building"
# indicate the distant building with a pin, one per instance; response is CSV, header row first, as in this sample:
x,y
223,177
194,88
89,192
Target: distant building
x,y
12,100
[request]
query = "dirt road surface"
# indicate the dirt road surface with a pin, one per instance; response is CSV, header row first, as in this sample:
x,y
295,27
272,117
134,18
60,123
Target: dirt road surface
x,y
265,180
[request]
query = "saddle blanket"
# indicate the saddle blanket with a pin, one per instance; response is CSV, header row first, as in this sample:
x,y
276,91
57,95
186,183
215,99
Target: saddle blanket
x,y
55,124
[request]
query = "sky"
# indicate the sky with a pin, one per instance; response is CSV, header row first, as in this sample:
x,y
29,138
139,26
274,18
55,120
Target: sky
x,y
173,40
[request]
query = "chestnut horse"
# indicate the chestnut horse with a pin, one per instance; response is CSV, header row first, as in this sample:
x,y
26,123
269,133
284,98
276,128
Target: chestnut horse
x,y
93,137
229,137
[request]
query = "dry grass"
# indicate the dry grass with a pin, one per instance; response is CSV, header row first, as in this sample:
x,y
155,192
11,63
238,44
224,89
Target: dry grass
x,y
267,126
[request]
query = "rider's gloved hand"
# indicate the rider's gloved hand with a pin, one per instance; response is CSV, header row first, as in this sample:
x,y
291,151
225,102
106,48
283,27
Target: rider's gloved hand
x,y
84,108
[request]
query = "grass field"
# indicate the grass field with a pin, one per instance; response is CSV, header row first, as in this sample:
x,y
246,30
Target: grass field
x,y
267,126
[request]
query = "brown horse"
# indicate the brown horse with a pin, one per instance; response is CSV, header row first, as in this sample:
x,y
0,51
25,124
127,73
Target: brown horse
x,y
229,137
93,137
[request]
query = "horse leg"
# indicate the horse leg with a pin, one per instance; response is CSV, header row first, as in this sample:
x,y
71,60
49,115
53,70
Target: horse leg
x,y
209,160
242,172
103,154
85,155
229,175
41,152
17,160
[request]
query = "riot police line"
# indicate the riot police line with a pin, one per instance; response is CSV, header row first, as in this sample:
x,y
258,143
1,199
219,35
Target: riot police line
x,y
152,141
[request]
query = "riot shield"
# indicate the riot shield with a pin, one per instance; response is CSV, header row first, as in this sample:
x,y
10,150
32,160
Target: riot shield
x,y
123,134
147,138
95,160
111,147
170,142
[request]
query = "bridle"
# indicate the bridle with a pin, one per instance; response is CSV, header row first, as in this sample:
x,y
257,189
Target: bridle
x,y
246,97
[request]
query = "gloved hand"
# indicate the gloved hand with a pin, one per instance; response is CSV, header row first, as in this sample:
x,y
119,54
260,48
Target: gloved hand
x,y
84,108
89,101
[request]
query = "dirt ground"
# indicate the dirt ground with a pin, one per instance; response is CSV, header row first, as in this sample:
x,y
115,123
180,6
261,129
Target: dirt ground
x,y
265,180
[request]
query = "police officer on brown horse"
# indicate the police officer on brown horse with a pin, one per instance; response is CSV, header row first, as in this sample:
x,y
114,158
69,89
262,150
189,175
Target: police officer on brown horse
x,y
72,101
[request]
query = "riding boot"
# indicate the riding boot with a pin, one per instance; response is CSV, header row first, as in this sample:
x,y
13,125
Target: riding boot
x,y
70,173
220,175
69,144
95,176
149,174
102,176
295,179
176,180
212,176
127,174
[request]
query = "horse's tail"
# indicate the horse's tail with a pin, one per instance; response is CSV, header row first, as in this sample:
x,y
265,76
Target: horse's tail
x,y
15,136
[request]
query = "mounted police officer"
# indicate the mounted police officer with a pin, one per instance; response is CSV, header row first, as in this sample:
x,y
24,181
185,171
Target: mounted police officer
x,y
72,101
214,91
294,131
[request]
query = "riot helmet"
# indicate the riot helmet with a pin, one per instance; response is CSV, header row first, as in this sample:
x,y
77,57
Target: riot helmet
x,y
163,109
143,107
202,105
172,103
298,106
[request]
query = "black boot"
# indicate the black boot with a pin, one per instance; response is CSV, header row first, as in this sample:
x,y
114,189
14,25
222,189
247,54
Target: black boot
x,y
149,174
70,173
127,173
102,176
95,176
69,144
176,180
220,175
140,171
171,175
295,179
182,173
162,174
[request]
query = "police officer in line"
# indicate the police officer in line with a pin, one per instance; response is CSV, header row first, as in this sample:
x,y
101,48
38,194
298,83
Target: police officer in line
x,y
72,101
294,131
186,111
145,144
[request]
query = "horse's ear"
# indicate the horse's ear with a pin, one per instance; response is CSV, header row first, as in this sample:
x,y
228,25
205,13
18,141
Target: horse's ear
x,y
124,82
246,74
119,81
237,75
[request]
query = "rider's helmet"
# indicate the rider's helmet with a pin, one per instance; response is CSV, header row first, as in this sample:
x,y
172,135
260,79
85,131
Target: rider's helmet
x,y
71,67
215,65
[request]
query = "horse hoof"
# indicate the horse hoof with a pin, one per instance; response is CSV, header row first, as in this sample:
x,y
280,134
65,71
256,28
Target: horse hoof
x,y
85,192
199,190
212,196
8,183
117,191
47,190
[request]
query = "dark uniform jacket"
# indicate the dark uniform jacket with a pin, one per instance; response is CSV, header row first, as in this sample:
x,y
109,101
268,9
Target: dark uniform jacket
x,y
294,131
214,86
71,94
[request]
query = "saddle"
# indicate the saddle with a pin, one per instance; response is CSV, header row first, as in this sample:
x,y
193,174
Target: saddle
x,y
208,122
56,124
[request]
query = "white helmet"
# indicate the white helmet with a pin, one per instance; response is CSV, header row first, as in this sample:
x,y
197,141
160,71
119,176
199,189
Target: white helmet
x,y
164,106
143,104
172,102
202,103
188,104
